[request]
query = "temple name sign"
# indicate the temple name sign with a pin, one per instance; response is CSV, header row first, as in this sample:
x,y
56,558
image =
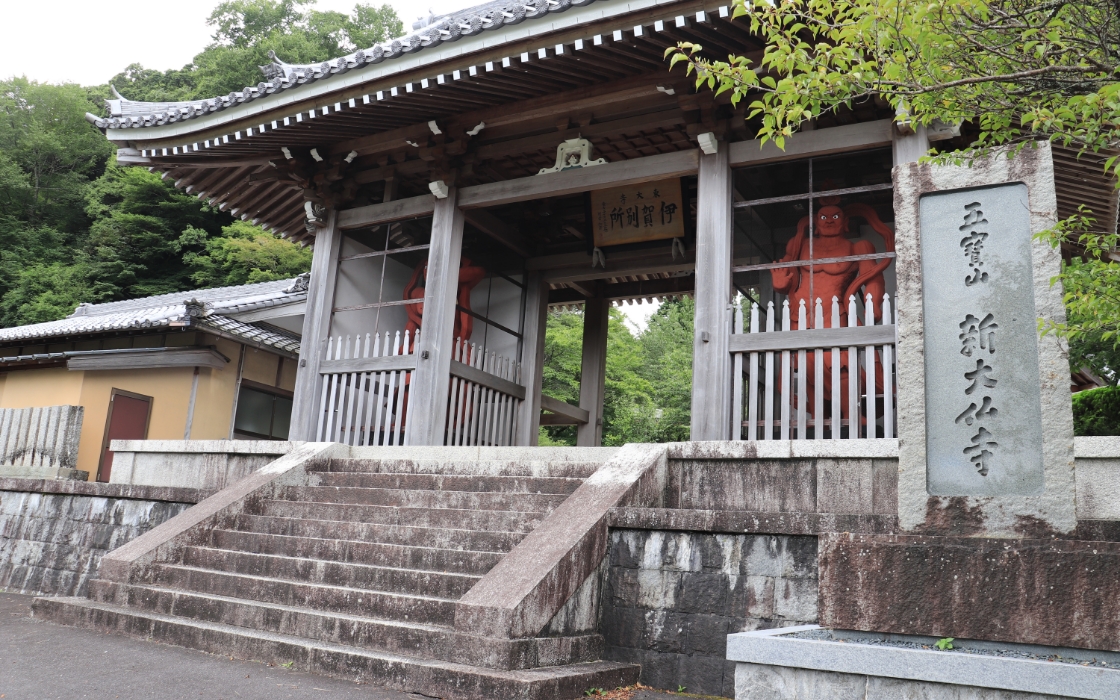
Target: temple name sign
x,y
648,212
983,399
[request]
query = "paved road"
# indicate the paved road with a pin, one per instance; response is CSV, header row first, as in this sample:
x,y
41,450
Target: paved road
x,y
42,661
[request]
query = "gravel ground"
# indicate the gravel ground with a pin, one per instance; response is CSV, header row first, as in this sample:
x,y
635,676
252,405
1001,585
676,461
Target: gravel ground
x,y
1083,658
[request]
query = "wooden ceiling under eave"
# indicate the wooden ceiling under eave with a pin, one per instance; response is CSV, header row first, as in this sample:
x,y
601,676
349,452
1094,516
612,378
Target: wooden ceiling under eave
x,y
615,91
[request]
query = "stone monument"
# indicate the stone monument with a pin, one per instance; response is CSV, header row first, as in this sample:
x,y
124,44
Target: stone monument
x,y
985,417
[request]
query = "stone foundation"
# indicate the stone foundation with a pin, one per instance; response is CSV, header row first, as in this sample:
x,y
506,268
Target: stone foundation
x,y
54,533
671,599
1055,592
759,682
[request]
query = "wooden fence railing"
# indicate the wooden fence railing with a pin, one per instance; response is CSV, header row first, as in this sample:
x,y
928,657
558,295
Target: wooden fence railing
x,y
831,380
485,397
365,389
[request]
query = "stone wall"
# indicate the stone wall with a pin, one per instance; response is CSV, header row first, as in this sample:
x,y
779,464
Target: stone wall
x,y
671,598
54,533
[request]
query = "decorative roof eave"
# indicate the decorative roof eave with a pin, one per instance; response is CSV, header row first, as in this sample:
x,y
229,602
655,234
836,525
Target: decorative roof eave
x,y
179,120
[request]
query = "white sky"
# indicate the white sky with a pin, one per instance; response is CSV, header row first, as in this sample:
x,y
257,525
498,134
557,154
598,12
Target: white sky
x,y
89,42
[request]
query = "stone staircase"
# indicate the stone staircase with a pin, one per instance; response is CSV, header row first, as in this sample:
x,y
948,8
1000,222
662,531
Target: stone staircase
x,y
356,572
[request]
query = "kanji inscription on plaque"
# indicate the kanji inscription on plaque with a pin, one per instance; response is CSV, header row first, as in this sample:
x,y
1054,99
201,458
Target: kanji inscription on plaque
x,y
635,213
983,398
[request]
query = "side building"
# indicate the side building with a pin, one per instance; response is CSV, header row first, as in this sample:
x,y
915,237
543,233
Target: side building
x,y
212,364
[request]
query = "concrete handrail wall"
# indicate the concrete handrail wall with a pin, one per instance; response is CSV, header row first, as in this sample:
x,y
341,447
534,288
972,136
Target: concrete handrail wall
x,y
131,562
198,464
525,590
44,438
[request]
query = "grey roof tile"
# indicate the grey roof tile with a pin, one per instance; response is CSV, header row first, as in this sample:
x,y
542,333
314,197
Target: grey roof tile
x,y
202,308
280,76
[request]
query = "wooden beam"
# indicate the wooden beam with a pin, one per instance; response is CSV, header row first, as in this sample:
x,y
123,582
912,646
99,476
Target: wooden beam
x,y
557,419
473,374
856,336
573,267
397,210
627,172
153,358
498,230
820,142
626,290
562,408
387,363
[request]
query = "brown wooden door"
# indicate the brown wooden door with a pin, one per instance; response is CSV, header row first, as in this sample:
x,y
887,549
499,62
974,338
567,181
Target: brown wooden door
x,y
127,420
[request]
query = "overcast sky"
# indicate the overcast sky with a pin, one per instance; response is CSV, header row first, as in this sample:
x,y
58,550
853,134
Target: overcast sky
x,y
88,42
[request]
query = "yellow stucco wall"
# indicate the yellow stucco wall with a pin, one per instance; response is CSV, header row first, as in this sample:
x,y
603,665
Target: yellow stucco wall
x,y
260,366
170,389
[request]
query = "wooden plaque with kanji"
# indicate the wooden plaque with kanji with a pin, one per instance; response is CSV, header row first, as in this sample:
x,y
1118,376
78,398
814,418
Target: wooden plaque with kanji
x,y
648,212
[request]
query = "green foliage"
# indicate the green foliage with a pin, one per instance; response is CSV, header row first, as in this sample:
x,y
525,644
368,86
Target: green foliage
x,y
649,376
1097,411
1091,287
1019,69
242,254
245,31
945,644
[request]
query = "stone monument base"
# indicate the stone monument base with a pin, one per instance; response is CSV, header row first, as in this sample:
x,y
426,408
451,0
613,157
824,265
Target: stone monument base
x,y
14,472
1025,591
811,663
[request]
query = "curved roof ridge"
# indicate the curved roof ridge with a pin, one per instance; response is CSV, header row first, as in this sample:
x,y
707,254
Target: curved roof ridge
x,y
124,113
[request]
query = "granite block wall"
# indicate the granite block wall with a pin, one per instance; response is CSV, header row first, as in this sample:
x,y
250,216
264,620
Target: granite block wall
x,y
671,598
52,543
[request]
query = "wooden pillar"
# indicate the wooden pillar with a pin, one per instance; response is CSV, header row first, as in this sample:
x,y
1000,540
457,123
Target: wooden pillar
x,y
532,359
316,327
711,361
428,394
593,371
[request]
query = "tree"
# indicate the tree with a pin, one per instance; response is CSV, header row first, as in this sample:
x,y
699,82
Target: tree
x,y
1097,411
649,375
1018,70
242,254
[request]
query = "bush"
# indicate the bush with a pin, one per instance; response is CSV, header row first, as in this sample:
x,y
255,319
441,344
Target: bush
x,y
1097,411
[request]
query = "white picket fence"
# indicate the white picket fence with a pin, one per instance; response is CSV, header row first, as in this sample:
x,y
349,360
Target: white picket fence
x,y
364,397
772,369
485,397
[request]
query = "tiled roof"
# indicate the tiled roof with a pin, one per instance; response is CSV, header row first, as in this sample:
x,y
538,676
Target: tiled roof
x,y
202,309
280,76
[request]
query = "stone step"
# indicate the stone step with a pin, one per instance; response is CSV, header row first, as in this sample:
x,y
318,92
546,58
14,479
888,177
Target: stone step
x,y
411,638
513,467
409,498
505,521
442,538
460,561
333,599
331,573
452,681
453,482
